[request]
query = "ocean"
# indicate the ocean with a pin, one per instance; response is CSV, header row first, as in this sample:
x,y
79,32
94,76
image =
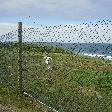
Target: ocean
x,y
90,49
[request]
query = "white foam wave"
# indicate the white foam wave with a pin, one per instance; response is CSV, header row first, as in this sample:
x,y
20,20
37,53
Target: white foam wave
x,y
98,55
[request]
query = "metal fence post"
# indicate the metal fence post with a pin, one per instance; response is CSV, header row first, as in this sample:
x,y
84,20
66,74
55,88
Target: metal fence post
x,y
20,78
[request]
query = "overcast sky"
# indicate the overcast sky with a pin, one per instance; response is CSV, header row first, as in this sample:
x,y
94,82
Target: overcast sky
x,y
55,11
52,12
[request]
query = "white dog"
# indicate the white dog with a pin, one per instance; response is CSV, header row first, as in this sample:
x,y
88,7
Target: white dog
x,y
48,62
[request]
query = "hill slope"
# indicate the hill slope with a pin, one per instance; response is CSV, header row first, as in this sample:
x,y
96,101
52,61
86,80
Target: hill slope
x,y
11,102
75,84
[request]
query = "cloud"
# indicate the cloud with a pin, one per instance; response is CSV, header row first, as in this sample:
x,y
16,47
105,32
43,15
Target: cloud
x,y
97,32
7,27
67,9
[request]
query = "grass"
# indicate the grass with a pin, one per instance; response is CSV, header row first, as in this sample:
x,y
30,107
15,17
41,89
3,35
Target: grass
x,y
76,83
10,101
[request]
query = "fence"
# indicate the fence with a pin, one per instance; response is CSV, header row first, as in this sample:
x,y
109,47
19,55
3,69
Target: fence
x,y
80,74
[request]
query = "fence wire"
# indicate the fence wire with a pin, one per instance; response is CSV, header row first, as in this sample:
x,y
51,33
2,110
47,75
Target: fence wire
x,y
9,59
67,67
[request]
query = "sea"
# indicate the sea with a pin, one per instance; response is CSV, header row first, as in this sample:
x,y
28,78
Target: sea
x,y
101,50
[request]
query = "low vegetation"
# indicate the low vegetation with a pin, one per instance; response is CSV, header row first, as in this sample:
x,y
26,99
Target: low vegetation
x,y
75,84
10,101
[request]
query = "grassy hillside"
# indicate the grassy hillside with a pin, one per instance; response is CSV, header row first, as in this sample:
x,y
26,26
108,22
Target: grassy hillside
x,y
10,101
75,84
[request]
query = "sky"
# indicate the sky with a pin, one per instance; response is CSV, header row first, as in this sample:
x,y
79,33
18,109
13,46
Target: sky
x,y
55,11
52,12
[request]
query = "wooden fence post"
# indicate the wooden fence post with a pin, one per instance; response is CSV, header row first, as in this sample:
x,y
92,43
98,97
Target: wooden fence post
x,y
20,78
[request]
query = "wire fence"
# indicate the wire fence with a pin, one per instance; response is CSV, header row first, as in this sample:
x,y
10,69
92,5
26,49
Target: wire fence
x,y
67,68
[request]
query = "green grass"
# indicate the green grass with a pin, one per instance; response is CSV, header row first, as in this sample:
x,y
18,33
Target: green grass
x,y
10,101
76,83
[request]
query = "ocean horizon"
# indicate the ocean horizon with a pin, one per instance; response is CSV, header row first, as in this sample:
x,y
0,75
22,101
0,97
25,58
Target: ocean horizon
x,y
102,50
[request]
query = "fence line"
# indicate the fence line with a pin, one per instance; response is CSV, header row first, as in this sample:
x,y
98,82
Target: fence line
x,y
20,63
48,87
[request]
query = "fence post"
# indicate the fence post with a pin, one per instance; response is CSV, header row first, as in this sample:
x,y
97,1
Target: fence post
x,y
20,77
